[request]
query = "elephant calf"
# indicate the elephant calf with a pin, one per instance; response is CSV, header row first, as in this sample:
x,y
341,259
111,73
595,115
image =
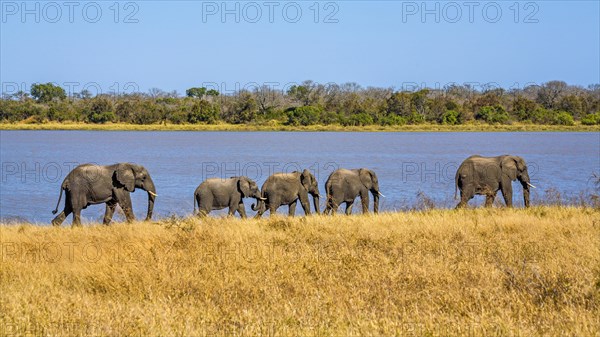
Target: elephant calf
x,y
286,189
90,184
217,193
479,175
343,186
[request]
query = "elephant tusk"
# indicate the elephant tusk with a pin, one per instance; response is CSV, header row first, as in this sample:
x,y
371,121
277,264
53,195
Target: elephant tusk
x,y
261,198
381,194
531,185
153,194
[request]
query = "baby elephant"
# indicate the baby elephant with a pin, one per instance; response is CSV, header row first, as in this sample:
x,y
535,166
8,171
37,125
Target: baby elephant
x,y
217,193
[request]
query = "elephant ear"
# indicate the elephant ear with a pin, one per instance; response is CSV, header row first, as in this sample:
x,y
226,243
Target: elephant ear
x,y
305,179
244,186
366,178
125,176
509,167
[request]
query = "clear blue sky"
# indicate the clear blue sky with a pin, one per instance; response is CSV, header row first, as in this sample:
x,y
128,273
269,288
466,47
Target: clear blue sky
x,y
175,45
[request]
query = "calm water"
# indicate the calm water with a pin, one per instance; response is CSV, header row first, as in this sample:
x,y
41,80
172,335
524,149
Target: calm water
x,y
34,163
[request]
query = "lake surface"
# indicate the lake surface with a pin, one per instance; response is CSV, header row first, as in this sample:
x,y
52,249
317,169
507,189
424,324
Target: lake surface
x,y
34,163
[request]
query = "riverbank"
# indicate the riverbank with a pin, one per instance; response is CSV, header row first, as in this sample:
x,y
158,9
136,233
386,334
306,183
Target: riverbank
x,y
313,128
477,272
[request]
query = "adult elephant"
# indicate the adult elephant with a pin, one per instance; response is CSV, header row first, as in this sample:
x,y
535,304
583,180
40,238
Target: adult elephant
x,y
286,189
217,193
90,184
343,186
479,175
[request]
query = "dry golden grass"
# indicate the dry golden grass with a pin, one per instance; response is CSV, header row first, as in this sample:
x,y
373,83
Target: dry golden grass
x,y
275,126
497,272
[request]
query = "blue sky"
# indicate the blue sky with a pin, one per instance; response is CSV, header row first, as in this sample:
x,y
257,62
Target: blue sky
x,y
175,45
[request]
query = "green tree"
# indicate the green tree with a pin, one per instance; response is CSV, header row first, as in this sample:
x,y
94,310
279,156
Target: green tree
x,y
300,93
564,118
451,117
303,115
400,104
212,92
572,104
196,92
523,108
492,114
47,92
204,112
591,119
100,110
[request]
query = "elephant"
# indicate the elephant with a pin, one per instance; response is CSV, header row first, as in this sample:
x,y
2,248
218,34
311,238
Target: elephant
x,y
344,185
217,193
479,175
90,184
285,189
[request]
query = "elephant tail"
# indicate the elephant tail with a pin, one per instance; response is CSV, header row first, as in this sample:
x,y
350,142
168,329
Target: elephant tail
x,y
58,203
194,203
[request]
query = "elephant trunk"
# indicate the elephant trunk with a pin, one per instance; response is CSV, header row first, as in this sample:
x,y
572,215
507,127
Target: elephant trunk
x,y
260,202
524,179
526,195
151,197
376,201
316,203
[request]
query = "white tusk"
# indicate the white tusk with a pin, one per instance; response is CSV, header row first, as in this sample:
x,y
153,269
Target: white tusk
x,y
263,199
531,185
153,194
381,194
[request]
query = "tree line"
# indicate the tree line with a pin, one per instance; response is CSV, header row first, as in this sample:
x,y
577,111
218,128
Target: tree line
x,y
310,103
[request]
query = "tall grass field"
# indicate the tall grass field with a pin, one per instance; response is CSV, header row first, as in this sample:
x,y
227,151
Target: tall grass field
x,y
472,272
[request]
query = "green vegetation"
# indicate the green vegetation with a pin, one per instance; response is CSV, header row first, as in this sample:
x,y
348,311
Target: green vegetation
x,y
331,107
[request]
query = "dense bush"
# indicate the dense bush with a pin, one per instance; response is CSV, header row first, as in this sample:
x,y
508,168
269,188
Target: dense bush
x,y
591,119
309,103
451,117
303,115
492,114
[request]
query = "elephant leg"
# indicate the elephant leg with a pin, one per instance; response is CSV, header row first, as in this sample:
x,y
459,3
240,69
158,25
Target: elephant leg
x,y
349,207
332,205
292,208
60,218
110,210
273,209
242,210
124,200
305,202
76,217
328,207
507,193
364,200
489,199
466,194
202,213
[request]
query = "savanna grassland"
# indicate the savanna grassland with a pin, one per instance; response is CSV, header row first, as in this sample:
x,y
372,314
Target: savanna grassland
x,y
276,126
476,272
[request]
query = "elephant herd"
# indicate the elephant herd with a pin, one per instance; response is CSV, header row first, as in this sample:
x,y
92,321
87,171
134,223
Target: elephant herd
x,y
90,184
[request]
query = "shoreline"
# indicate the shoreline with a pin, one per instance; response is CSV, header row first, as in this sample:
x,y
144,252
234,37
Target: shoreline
x,y
286,128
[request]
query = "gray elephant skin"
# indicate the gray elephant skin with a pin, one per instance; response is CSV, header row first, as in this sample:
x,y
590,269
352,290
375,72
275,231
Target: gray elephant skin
x,y
286,189
344,185
217,193
479,175
90,184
